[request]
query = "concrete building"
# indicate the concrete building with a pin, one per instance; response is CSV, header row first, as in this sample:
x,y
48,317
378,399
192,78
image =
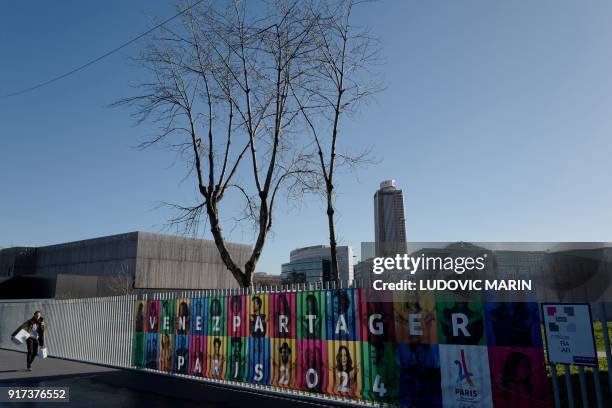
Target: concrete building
x,y
266,279
323,252
118,263
389,220
17,261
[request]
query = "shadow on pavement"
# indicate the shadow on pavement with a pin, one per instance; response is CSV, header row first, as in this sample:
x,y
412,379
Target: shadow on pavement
x,y
94,386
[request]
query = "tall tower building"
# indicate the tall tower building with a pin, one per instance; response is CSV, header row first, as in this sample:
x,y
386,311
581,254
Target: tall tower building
x,y
389,220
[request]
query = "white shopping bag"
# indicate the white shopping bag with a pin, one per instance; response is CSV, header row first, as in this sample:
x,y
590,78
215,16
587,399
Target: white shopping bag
x,y
20,337
42,352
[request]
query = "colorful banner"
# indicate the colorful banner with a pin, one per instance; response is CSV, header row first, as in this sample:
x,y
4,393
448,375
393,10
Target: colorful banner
x,y
284,362
216,347
513,324
401,348
465,378
152,316
312,370
461,323
198,316
181,354
419,375
138,338
518,377
181,319
167,316
152,350
197,353
166,351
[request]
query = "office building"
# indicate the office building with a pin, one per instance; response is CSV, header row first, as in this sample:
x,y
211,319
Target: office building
x,y
306,271
344,255
367,250
389,220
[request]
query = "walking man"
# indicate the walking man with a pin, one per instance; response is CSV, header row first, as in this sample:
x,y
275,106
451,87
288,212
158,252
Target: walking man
x,y
36,329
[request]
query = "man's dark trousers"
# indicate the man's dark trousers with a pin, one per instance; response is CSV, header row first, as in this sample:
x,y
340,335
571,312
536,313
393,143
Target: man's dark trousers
x,y
32,350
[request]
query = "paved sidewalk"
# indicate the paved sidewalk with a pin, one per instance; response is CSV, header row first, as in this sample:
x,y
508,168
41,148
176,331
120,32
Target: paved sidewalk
x,y
93,386
13,364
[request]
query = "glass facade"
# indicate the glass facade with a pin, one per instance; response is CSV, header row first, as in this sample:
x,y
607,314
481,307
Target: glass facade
x,y
305,271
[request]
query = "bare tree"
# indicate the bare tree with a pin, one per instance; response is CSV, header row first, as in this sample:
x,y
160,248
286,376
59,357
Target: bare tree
x,y
121,280
223,89
341,82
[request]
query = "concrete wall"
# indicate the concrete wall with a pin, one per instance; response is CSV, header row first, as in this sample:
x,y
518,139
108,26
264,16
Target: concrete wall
x,y
83,286
106,256
101,266
17,261
169,262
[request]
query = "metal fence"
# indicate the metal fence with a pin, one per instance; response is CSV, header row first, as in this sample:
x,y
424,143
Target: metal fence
x,y
96,330
566,394
99,331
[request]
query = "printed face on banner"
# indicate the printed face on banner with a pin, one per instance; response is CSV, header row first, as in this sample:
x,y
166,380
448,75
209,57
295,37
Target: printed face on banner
x,y
181,318
258,315
152,316
138,349
197,355
415,317
237,316
166,351
518,377
216,316
167,316
513,324
284,363
282,316
181,354
376,316
466,381
237,358
312,368
140,308
380,372
344,368
311,315
215,357
151,350
341,315
419,375
461,323
198,316
259,360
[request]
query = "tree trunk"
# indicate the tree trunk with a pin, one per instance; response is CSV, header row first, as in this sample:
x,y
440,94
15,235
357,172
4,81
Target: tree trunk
x,y
335,273
243,278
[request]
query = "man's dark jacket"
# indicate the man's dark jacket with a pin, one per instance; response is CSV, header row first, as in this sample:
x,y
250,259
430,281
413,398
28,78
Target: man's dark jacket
x,y
27,326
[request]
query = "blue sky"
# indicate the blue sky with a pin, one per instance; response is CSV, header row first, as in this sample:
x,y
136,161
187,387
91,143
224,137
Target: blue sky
x,y
496,123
